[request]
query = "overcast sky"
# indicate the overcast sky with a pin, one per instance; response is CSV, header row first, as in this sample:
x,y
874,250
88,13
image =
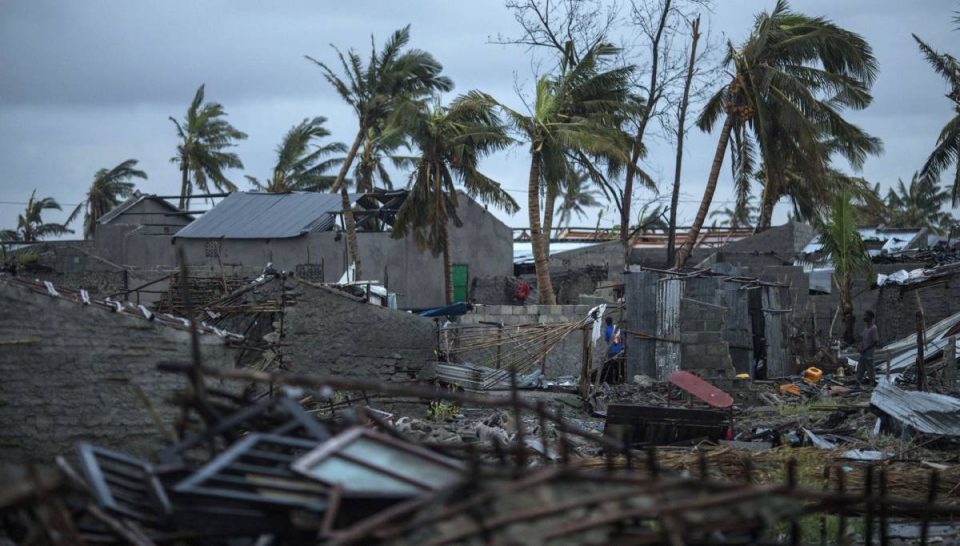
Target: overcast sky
x,y
85,85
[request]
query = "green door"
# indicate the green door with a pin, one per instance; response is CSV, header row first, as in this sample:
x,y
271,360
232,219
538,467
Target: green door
x,y
460,274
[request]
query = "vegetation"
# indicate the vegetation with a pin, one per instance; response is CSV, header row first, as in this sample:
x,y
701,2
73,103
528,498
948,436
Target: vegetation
x,y
841,242
738,217
947,150
30,224
789,81
576,111
301,165
919,205
375,91
108,188
205,135
380,150
575,195
450,140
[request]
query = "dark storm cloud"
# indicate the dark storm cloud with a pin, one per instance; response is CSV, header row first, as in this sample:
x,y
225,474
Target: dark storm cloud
x,y
84,85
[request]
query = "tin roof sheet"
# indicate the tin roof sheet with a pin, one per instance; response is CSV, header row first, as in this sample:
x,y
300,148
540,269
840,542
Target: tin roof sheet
x,y
255,215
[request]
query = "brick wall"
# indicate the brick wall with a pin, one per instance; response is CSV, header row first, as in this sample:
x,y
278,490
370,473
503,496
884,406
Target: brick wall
x,y
566,357
72,372
334,333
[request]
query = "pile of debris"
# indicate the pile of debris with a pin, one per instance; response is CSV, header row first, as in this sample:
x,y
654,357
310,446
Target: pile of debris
x,y
278,470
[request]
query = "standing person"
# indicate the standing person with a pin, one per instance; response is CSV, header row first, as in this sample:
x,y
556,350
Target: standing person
x,y
869,342
612,371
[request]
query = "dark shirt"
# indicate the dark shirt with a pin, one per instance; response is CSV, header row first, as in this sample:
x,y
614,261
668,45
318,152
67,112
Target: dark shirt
x,y
615,347
870,341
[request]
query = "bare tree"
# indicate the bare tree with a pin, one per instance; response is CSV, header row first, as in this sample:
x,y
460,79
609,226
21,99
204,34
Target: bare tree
x,y
652,35
681,121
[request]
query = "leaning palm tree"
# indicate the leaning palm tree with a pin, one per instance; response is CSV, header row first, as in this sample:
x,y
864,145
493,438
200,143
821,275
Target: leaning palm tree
x,y
578,111
576,196
30,224
108,188
391,77
919,205
451,140
842,244
204,136
790,80
947,149
301,165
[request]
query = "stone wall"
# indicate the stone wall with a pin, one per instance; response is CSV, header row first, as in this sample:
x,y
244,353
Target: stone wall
x,y
72,372
896,307
330,332
704,350
566,357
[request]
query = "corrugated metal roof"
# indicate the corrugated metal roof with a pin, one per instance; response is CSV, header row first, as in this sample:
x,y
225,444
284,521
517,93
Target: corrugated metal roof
x,y
253,215
129,203
894,239
927,412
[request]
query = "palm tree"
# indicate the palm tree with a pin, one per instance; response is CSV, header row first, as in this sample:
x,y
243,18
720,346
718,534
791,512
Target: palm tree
x,y
736,217
947,149
842,243
810,201
391,77
578,111
789,81
300,165
204,136
379,147
109,186
652,219
575,196
30,224
451,140
918,205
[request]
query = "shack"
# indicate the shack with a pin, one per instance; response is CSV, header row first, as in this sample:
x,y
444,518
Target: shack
x,y
716,322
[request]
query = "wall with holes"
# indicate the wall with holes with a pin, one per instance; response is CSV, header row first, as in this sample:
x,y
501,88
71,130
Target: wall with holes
x,y
75,373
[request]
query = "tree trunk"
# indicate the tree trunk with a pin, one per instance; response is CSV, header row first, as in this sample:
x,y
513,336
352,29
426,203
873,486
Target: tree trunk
x,y
846,308
766,207
443,223
652,97
684,102
183,187
447,268
540,259
348,218
550,204
694,234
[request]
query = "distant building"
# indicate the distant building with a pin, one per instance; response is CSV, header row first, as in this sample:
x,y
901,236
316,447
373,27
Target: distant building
x,y
137,232
302,232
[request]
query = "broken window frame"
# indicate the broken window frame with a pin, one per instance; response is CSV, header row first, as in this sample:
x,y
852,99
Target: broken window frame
x,y
334,448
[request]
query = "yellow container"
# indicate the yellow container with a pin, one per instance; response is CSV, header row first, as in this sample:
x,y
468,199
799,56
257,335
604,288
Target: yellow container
x,y
812,375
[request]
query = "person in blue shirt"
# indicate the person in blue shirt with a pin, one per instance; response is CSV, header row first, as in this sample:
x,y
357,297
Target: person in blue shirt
x,y
612,371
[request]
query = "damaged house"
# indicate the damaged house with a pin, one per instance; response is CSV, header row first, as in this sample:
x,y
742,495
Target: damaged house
x,y
302,232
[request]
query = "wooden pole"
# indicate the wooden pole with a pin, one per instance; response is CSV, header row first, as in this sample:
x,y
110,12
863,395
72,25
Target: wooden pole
x,y
950,362
585,364
921,342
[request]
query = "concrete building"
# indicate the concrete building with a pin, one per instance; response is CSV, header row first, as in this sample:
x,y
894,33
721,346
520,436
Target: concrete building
x,y
136,233
301,232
